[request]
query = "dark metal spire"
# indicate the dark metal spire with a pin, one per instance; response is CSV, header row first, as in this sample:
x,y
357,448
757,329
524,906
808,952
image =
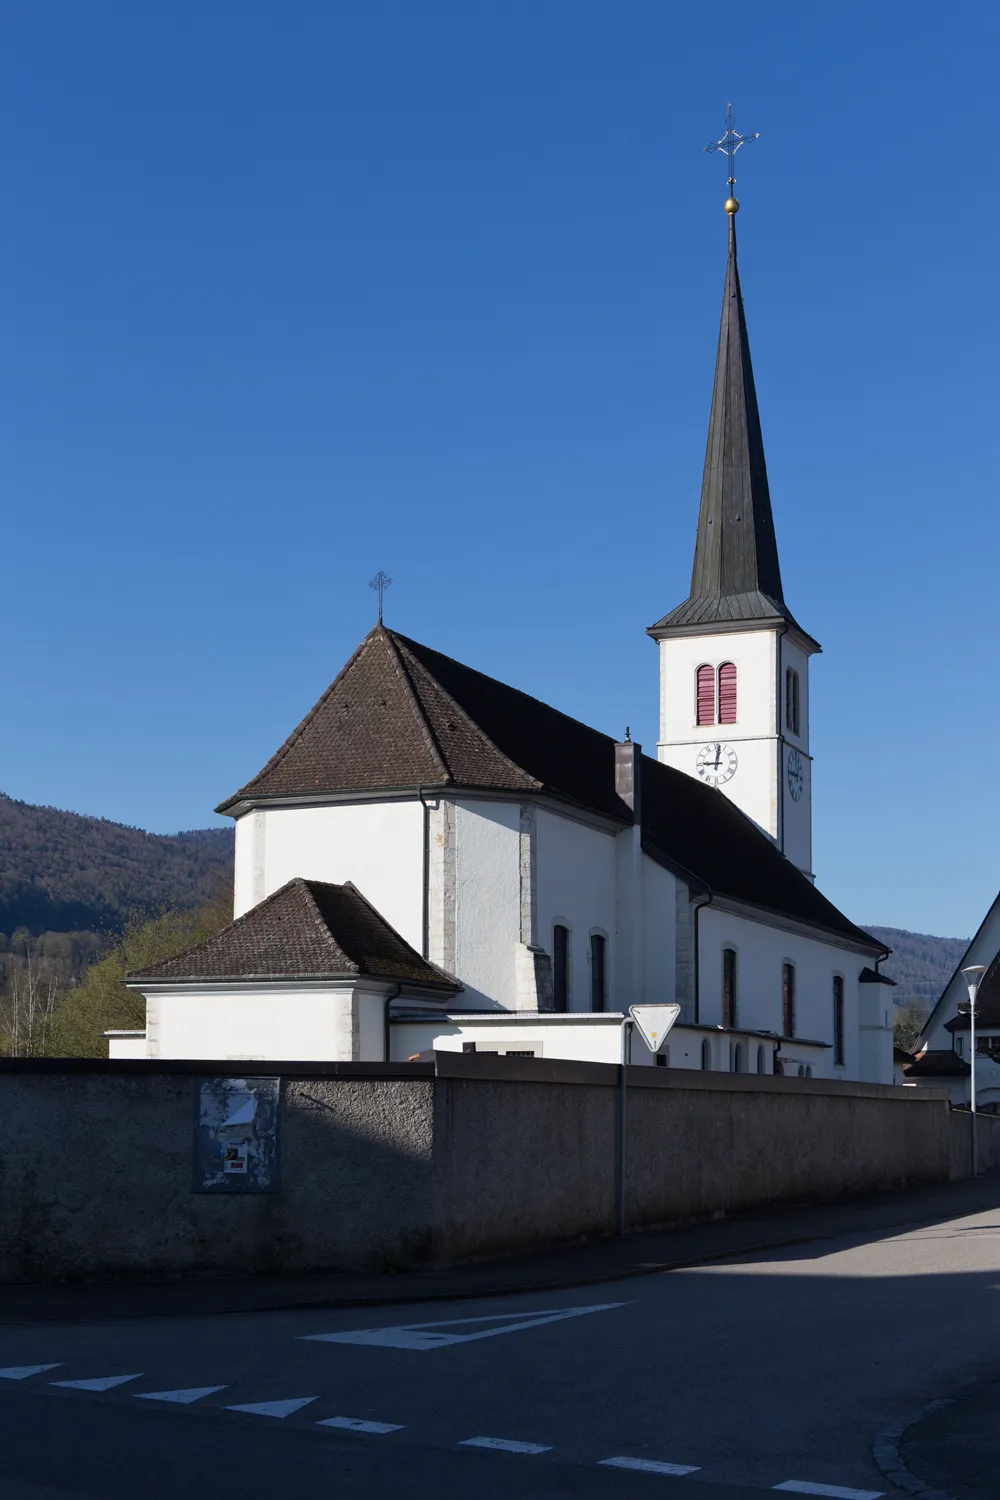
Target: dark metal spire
x,y
736,576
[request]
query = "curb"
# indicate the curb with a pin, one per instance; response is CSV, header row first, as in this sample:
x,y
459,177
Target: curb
x,y
885,1449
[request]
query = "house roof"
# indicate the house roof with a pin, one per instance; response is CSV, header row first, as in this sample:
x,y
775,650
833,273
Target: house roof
x,y
963,963
937,1064
987,1003
306,930
401,716
736,576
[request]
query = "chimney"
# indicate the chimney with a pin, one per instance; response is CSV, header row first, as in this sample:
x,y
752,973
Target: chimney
x,y
628,774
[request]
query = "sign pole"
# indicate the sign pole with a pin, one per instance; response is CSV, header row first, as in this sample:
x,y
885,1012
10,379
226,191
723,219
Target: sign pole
x,y
622,1093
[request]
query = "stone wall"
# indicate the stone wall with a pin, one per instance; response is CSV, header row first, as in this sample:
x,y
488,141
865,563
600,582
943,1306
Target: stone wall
x,y
387,1165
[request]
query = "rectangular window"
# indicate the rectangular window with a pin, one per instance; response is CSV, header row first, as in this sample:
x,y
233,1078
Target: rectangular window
x,y
598,972
838,1021
792,700
560,967
729,998
788,999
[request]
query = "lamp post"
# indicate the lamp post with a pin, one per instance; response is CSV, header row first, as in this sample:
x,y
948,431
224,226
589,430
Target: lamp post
x,y
973,976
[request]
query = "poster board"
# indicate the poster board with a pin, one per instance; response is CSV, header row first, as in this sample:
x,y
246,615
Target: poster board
x,y
236,1135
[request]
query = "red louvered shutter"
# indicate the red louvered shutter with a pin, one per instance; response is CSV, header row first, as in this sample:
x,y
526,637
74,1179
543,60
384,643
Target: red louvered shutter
x,y
727,693
706,695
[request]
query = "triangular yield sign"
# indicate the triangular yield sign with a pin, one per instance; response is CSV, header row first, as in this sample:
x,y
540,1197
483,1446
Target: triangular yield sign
x,y
653,1022
101,1383
185,1397
275,1408
21,1372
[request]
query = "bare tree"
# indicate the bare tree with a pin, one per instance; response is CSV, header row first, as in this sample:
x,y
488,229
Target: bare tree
x,y
26,1010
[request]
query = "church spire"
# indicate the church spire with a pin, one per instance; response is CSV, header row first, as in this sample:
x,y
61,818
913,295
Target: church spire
x,y
736,575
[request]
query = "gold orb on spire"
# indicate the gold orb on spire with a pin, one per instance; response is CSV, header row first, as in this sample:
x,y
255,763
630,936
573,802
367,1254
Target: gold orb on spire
x,y
732,207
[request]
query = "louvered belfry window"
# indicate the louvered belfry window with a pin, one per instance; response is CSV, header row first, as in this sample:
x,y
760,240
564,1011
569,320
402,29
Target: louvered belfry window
x,y
706,695
727,693
792,700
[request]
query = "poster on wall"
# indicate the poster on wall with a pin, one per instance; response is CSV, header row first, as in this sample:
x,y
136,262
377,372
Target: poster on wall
x,y
236,1135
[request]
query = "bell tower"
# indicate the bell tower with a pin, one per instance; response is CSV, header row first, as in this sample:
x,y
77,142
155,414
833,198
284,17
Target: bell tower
x,y
734,661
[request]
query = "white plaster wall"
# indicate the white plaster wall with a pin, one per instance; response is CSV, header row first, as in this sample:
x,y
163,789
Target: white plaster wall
x,y
377,845
127,1046
659,893
487,900
285,1025
587,1042
761,951
575,885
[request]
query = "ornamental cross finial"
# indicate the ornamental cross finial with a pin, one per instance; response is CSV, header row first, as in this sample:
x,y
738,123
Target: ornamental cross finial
x,y
729,144
381,582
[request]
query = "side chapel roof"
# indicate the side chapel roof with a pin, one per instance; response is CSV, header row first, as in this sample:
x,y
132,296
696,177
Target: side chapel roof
x,y
308,929
401,716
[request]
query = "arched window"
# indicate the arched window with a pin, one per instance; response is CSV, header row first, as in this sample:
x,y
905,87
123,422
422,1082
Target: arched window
x,y
838,1021
706,1056
792,700
809,1070
706,695
760,1059
738,1058
802,1070
560,967
727,693
730,1005
598,971
788,999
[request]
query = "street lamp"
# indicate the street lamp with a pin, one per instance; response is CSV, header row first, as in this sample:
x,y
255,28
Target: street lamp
x,y
973,977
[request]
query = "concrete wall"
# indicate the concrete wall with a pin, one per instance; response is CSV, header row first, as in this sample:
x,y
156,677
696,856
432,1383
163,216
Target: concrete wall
x,y
399,1164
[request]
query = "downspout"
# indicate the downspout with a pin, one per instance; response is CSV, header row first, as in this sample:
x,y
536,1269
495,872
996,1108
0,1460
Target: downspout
x,y
706,901
393,994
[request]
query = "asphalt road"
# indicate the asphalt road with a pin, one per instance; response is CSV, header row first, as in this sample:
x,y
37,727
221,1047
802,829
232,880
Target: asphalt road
x,y
777,1370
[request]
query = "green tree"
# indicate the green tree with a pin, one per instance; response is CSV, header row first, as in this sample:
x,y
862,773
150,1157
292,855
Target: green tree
x,y
907,1027
103,1001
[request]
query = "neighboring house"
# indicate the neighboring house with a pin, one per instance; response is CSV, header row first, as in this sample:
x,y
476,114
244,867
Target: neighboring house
x,y
435,859
942,1050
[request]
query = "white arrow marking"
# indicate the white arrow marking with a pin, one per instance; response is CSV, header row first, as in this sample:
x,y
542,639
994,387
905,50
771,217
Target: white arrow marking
x,y
193,1393
102,1383
274,1408
506,1445
423,1335
836,1491
21,1372
648,1466
358,1424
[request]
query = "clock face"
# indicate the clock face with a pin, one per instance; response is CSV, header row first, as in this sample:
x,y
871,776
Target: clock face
x,y
796,775
716,763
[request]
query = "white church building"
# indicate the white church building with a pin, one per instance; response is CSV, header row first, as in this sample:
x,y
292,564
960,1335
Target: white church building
x,y
434,859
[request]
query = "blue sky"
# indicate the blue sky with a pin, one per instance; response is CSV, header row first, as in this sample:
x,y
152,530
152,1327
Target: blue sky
x,y
294,292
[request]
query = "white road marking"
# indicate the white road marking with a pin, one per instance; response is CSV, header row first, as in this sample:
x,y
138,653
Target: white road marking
x,y
506,1445
21,1372
832,1491
102,1383
648,1466
423,1335
358,1424
184,1397
275,1408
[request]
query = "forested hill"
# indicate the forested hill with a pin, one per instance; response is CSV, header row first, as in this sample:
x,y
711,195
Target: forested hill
x,y
920,964
62,872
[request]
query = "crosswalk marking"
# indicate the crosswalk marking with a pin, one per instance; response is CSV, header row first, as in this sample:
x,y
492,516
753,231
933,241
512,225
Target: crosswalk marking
x,y
274,1408
506,1445
21,1372
183,1397
831,1491
101,1383
358,1424
648,1466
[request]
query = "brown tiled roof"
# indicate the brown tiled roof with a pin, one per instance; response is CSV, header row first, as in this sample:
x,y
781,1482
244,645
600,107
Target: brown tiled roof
x,y
401,716
306,930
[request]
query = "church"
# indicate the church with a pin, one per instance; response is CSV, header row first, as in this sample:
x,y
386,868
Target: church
x,y
436,860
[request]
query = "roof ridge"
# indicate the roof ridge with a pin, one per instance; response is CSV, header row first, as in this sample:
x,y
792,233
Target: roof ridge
x,y
464,713
396,657
300,728
327,936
